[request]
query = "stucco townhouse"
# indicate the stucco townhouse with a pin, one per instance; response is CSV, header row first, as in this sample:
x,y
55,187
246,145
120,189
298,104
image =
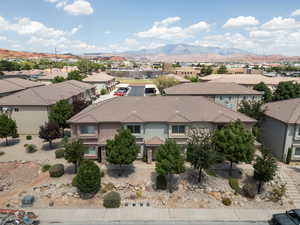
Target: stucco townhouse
x,y
280,128
30,108
101,81
151,120
228,94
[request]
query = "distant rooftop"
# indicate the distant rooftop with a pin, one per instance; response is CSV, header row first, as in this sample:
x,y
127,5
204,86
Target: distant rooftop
x,y
16,84
204,88
98,77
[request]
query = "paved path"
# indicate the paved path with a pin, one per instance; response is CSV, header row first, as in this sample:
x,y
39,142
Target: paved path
x,y
150,214
137,91
291,189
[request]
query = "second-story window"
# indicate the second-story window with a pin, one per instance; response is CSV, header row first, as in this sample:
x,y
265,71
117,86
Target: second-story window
x,y
134,129
87,129
178,129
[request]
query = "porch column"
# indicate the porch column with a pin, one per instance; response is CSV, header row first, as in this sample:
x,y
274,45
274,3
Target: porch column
x,y
149,155
103,154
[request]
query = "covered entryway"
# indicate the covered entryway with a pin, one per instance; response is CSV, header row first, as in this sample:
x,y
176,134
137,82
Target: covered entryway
x,y
152,145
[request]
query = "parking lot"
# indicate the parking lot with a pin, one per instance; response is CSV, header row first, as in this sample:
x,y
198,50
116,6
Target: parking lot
x,y
136,91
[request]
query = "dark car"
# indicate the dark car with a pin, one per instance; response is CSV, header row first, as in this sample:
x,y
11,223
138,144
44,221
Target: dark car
x,y
291,217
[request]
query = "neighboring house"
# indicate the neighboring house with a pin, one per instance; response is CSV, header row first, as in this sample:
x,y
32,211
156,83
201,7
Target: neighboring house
x,y
186,71
227,94
26,74
248,80
101,81
30,107
12,85
151,119
47,76
280,129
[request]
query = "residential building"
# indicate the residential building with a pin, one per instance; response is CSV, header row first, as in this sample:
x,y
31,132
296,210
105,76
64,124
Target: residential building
x,y
101,81
180,79
151,120
186,71
227,94
30,107
47,76
280,129
248,80
12,85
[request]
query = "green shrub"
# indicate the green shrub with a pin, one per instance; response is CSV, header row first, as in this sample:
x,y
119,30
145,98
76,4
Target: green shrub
x,y
57,170
112,200
226,201
31,148
277,192
2,153
59,153
139,194
88,177
289,156
103,91
28,137
161,182
102,174
250,190
46,167
74,181
16,136
234,184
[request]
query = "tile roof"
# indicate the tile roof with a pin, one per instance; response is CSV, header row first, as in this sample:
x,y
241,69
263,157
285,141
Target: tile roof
x,y
158,109
16,84
154,141
247,79
287,111
205,88
46,95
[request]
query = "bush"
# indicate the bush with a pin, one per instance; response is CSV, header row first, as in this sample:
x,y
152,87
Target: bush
x,y
88,177
226,201
46,167
234,184
74,181
2,153
112,200
16,136
161,182
102,173
31,148
103,91
59,153
250,190
277,192
139,194
289,156
28,137
57,170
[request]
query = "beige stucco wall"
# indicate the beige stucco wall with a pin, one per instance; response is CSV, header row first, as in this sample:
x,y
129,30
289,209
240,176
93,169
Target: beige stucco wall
x,y
30,118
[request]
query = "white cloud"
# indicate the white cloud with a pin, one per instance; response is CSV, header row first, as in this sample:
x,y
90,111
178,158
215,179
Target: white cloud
x,y
52,1
75,29
131,42
79,7
241,21
107,32
296,13
280,23
3,38
162,30
260,34
61,4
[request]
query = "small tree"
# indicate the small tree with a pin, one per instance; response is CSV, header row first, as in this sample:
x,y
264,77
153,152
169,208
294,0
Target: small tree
x,y
60,113
75,75
49,132
169,159
222,69
252,109
122,150
286,90
267,96
265,168
74,152
235,143
163,82
206,70
88,178
201,151
58,79
8,127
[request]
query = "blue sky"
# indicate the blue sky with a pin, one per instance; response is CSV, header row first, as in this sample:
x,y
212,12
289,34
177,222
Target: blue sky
x,y
77,26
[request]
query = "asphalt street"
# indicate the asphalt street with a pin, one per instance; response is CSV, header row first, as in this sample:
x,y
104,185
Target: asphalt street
x,y
137,91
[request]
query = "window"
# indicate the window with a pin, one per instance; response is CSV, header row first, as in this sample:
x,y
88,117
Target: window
x,y
297,151
178,129
91,150
87,129
134,129
298,131
16,109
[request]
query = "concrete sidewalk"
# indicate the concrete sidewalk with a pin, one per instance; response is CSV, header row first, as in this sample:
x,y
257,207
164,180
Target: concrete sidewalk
x,y
142,214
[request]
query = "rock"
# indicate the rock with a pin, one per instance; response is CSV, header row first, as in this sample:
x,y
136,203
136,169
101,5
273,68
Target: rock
x,y
216,195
